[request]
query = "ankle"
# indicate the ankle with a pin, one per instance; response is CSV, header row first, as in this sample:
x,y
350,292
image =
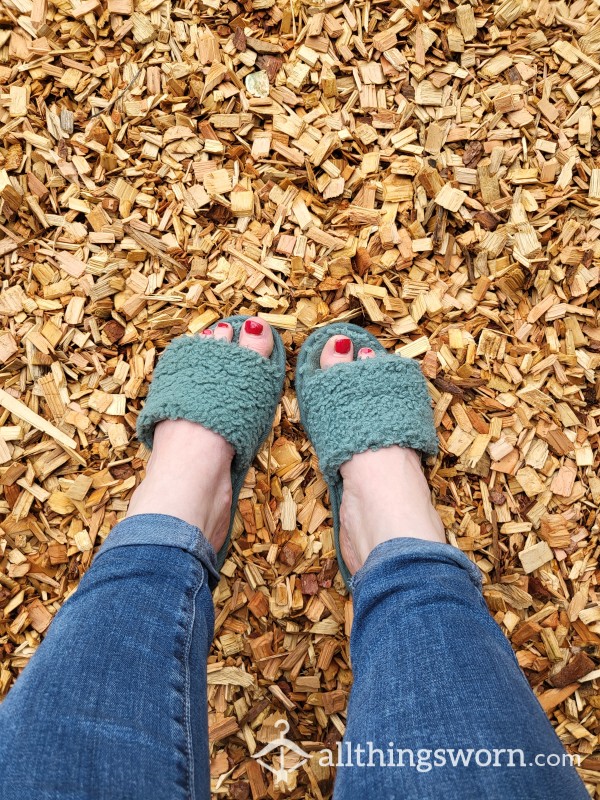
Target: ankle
x,y
188,476
386,496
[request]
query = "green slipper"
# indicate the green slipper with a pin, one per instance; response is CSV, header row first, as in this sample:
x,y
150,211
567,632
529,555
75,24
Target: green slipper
x,y
360,405
232,390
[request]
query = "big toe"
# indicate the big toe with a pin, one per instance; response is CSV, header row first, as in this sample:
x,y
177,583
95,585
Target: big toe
x,y
337,350
257,335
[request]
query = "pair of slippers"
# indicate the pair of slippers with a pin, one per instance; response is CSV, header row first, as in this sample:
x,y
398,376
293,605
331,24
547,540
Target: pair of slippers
x,y
349,408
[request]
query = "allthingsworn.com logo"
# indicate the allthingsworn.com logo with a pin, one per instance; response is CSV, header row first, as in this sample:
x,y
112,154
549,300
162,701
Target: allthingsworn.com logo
x,y
285,757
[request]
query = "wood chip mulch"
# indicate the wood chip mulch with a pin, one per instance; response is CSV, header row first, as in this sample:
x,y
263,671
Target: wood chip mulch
x,y
428,170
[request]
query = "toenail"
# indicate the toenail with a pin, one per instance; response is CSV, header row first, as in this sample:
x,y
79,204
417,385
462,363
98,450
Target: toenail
x,y
253,327
342,346
207,332
222,325
366,351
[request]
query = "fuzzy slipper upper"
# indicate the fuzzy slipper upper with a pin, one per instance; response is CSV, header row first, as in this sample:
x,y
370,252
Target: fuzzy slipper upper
x,y
231,390
360,405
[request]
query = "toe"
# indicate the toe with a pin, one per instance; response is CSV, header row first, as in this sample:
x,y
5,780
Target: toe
x,y
257,335
337,350
223,330
206,332
365,352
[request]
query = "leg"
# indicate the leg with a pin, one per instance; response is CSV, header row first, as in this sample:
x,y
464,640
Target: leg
x,y
432,670
447,679
113,704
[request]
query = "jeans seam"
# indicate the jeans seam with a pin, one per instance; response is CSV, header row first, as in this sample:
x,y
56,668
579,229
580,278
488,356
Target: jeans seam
x,y
187,693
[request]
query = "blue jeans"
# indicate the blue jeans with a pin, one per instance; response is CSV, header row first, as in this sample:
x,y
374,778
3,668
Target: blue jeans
x,y
113,704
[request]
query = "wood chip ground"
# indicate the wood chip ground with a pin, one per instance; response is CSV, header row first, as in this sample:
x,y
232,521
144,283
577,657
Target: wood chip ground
x,y
430,171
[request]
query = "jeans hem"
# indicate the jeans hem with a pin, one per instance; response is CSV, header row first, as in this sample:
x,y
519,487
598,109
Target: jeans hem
x,y
408,549
165,531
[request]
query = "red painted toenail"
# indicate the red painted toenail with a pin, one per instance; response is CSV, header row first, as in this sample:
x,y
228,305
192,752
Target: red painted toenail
x,y
342,346
207,333
366,351
253,327
222,325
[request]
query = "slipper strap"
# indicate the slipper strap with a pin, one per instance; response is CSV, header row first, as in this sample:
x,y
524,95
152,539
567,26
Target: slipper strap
x,y
232,390
368,404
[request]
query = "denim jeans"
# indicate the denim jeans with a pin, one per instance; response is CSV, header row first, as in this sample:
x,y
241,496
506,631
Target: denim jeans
x,y
113,704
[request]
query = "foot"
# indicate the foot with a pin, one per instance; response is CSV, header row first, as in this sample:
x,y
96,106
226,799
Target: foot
x,y
189,472
385,494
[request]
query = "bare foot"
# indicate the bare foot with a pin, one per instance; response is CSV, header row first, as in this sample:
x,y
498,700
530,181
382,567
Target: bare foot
x,y
189,472
385,494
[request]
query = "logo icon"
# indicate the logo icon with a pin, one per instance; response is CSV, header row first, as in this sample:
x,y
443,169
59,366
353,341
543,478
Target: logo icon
x,y
281,773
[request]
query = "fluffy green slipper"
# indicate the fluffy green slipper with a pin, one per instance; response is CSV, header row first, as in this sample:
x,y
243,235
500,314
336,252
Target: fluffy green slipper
x,y
232,390
360,405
